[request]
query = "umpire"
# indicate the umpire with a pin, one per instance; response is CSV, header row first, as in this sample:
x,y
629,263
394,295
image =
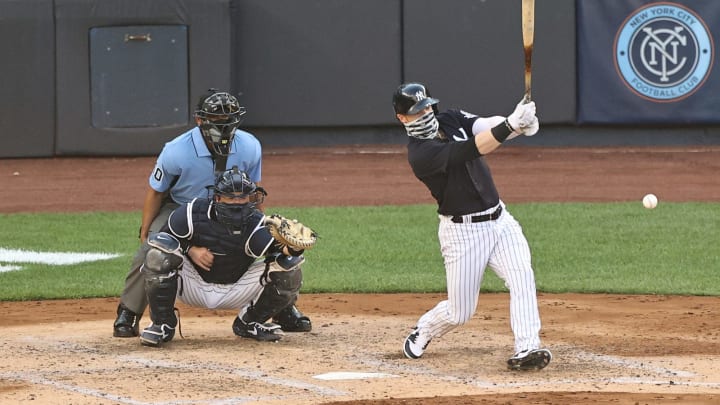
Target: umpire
x,y
184,169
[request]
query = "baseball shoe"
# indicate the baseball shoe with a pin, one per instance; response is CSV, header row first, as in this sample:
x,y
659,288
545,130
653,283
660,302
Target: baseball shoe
x,y
127,323
415,344
291,319
155,335
535,359
263,332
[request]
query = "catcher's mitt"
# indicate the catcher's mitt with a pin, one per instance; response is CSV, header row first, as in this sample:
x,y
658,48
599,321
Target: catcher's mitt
x,y
290,232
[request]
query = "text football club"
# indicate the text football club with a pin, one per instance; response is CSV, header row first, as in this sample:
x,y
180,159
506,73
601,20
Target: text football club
x,y
663,52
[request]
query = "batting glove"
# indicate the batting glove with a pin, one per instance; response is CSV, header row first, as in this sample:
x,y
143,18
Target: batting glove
x,y
523,119
533,128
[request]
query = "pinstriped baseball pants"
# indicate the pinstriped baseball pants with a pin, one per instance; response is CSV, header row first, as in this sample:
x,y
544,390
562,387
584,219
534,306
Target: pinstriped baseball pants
x,y
467,249
195,291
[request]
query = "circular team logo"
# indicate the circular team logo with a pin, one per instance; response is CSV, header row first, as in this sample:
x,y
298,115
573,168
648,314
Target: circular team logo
x,y
664,52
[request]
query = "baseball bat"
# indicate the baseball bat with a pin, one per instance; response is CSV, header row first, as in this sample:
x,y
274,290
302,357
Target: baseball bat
x,y
528,31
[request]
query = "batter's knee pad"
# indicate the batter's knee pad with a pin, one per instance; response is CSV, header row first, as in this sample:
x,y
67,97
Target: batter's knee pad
x,y
280,292
160,270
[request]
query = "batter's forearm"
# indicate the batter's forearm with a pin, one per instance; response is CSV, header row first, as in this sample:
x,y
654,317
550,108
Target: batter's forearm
x,y
485,142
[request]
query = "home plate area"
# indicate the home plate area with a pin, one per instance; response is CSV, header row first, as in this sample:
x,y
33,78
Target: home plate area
x,y
353,354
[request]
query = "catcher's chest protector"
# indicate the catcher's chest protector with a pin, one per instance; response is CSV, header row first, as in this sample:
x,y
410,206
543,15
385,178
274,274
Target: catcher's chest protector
x,y
231,261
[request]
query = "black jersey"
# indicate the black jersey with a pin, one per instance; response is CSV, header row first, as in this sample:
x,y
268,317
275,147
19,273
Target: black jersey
x,y
194,224
452,168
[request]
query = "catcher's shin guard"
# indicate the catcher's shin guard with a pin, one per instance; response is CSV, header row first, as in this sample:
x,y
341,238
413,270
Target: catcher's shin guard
x,y
161,273
280,292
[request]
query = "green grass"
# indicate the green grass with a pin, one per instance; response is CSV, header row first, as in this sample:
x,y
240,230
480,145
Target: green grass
x,y
579,247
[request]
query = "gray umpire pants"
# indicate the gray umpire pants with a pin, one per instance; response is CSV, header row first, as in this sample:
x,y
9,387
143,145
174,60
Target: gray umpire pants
x,y
133,296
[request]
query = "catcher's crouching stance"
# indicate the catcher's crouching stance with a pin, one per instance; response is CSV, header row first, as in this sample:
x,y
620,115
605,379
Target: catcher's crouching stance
x,y
208,255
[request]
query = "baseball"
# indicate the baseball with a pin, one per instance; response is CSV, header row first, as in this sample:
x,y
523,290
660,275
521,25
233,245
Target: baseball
x,y
650,201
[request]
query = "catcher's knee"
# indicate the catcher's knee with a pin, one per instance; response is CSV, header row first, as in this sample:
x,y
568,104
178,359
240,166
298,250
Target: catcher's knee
x,y
160,270
284,263
287,282
164,256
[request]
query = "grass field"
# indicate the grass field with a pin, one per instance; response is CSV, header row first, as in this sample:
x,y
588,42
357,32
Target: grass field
x,y
577,247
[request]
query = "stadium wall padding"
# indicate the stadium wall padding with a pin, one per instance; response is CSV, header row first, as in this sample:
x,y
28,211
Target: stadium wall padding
x,y
206,63
103,77
27,78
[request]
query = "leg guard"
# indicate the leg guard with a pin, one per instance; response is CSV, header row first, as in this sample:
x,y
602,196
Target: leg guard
x,y
290,318
161,272
280,292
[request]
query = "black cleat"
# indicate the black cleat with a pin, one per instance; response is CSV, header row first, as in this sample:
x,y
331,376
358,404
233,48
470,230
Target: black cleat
x,y
155,335
535,359
127,323
267,332
291,319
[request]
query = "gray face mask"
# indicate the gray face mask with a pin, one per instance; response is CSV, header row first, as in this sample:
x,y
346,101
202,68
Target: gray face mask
x,y
424,127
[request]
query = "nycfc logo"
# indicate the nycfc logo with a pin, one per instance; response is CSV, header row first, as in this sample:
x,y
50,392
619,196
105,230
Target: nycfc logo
x,y
664,52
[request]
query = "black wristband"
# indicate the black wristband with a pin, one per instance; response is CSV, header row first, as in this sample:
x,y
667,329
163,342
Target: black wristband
x,y
501,131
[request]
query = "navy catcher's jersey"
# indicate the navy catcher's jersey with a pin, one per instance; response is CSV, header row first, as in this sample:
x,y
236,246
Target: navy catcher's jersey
x,y
194,224
452,168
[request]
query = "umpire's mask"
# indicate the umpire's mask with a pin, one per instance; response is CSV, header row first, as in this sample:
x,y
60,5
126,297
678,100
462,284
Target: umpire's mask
x,y
219,115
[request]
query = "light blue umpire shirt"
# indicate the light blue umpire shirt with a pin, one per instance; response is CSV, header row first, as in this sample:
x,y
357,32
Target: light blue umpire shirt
x,y
185,165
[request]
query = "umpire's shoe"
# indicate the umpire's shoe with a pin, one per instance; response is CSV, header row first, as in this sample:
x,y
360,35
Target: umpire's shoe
x,y
535,359
264,332
127,323
291,319
155,335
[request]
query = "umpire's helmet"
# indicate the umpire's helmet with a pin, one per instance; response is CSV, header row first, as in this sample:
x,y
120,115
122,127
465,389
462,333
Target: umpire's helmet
x,y
219,114
411,98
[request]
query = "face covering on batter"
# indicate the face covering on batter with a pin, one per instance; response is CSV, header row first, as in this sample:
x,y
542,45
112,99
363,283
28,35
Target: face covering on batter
x,y
424,127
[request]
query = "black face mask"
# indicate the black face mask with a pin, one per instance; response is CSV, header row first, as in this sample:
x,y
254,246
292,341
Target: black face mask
x,y
234,216
218,136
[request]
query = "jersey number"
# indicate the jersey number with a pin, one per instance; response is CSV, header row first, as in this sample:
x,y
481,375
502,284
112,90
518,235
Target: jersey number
x,y
464,136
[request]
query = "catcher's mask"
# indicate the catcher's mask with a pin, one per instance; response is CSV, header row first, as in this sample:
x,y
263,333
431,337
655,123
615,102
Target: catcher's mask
x,y
219,115
235,197
411,98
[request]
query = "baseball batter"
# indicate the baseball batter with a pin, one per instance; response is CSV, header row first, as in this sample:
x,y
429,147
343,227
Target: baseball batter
x,y
445,152
183,171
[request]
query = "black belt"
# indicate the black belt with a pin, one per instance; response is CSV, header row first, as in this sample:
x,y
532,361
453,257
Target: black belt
x,y
458,219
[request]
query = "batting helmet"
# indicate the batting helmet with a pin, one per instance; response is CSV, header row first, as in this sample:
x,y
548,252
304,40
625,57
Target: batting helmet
x,y
220,115
411,98
234,183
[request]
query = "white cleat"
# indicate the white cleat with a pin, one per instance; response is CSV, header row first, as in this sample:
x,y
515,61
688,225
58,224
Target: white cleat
x,y
415,344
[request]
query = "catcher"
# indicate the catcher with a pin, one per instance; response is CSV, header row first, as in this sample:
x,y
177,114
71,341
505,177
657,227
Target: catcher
x,y
226,254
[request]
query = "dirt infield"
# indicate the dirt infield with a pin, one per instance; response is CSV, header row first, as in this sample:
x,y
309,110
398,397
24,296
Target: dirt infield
x,y
607,348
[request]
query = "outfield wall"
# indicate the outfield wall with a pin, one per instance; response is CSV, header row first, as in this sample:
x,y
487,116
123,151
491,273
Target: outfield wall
x,y
101,77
